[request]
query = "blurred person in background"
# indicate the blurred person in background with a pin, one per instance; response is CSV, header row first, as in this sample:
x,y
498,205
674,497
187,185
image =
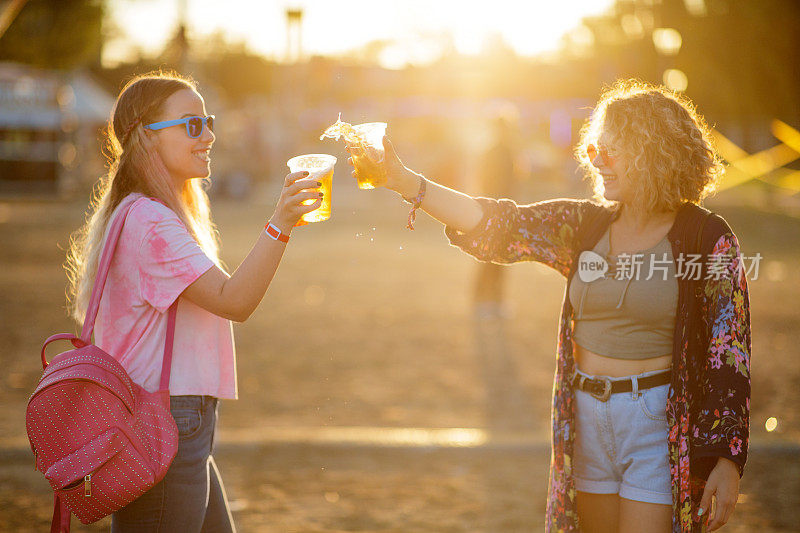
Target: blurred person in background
x,y
496,179
159,142
650,414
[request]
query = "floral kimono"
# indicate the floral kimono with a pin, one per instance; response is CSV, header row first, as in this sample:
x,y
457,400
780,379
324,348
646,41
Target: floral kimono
x,y
709,395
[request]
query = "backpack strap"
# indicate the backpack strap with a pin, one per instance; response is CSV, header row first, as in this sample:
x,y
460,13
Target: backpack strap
x,y
97,292
102,273
166,364
61,516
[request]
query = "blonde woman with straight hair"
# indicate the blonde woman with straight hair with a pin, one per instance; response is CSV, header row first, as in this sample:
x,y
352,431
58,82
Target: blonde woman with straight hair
x,y
651,400
159,144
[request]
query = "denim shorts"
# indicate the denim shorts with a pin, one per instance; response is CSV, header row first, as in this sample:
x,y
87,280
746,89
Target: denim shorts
x,y
621,444
191,497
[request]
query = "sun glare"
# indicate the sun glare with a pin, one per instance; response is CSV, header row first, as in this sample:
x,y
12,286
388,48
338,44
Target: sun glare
x,y
148,25
414,31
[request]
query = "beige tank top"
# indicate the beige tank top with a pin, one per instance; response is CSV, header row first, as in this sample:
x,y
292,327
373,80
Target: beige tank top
x,y
631,317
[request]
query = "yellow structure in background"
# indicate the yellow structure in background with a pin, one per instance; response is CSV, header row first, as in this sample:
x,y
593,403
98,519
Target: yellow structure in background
x,y
786,178
767,165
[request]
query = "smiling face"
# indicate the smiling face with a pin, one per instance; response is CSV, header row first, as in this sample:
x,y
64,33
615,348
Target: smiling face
x,y
184,157
617,185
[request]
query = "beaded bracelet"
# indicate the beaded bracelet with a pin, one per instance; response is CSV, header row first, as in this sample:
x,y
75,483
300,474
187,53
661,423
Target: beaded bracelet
x,y
416,202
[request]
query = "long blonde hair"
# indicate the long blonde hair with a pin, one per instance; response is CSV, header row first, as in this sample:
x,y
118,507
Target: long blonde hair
x,y
667,141
135,166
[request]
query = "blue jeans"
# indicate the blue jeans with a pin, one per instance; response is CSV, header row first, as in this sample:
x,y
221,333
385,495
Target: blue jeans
x,y
190,498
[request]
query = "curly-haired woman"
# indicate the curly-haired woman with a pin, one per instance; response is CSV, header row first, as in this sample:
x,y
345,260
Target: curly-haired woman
x,y
160,140
650,416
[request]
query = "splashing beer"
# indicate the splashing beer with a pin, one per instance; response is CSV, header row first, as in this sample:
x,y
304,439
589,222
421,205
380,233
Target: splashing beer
x,y
365,141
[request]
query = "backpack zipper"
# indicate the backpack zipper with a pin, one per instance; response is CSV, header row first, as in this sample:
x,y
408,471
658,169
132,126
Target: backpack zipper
x,y
87,485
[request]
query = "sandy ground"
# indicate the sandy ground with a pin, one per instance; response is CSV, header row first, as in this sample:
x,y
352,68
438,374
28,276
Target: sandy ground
x,y
368,324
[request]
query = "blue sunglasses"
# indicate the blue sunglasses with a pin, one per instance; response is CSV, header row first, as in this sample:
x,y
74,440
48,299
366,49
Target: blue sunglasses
x,y
194,125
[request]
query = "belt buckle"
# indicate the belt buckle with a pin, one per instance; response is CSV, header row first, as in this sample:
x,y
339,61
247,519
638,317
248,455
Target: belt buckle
x,y
603,396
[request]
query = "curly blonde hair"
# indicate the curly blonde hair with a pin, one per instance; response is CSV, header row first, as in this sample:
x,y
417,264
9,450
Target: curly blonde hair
x,y
668,144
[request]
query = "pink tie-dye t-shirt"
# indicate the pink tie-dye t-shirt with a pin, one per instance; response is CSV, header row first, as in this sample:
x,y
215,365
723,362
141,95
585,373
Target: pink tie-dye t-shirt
x,y
155,260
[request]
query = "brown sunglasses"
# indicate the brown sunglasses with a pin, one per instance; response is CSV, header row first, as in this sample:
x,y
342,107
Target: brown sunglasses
x,y
592,151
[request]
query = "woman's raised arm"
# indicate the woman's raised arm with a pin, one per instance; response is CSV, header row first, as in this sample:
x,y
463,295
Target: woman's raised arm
x,y
498,231
235,297
450,207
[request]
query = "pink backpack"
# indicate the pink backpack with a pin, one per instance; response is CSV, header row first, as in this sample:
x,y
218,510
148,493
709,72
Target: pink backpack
x,y
100,439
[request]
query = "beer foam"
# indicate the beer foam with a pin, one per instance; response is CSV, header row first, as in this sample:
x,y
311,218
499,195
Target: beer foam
x,y
316,163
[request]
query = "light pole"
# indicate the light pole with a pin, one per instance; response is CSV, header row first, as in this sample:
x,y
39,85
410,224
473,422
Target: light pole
x,y
294,34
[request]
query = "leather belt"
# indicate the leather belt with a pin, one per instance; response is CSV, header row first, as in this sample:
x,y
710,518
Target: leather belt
x,y
602,387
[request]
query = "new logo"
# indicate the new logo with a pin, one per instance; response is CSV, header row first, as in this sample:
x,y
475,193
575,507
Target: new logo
x,y
591,266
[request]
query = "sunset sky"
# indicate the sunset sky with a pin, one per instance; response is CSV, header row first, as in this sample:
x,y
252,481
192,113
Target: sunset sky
x,y
332,27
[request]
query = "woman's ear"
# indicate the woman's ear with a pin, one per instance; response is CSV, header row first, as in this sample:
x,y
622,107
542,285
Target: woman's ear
x,y
148,137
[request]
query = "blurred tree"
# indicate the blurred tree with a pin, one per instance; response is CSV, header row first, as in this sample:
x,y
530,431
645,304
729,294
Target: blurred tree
x,y
741,60
60,34
740,57
234,70
240,74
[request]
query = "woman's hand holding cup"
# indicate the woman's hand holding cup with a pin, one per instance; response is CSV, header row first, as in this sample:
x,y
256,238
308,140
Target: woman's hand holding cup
x,y
396,176
297,188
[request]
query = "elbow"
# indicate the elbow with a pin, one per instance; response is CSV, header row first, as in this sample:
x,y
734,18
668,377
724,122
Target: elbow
x,y
233,307
237,318
241,314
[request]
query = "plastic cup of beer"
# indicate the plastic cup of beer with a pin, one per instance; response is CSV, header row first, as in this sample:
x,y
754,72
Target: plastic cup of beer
x,y
319,167
370,146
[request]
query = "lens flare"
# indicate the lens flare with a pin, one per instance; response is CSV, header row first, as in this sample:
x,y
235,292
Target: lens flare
x,y
771,424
